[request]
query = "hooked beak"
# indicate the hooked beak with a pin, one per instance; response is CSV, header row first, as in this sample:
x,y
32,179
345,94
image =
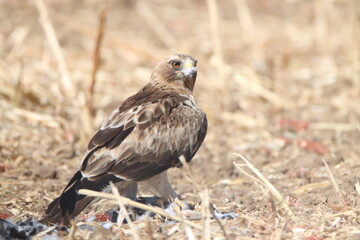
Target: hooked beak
x,y
189,70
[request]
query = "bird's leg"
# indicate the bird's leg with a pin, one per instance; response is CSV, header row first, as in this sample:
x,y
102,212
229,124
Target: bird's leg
x,y
127,189
159,185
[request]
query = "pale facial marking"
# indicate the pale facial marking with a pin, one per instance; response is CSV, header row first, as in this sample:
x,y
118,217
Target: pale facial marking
x,y
189,67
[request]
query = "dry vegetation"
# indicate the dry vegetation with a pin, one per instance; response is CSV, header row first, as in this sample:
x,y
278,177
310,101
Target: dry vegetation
x,y
279,81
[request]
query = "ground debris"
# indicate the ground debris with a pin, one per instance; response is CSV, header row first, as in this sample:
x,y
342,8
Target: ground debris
x,y
29,228
20,230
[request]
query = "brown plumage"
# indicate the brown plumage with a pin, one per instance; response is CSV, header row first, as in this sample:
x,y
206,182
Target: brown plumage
x,y
140,140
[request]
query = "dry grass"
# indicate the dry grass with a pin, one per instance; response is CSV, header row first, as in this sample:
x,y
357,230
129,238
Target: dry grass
x,y
279,82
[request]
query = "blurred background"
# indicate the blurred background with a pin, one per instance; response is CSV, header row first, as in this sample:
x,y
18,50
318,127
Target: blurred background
x,y
279,81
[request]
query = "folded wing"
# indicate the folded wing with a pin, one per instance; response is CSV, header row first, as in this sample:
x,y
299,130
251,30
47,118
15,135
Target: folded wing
x,y
145,140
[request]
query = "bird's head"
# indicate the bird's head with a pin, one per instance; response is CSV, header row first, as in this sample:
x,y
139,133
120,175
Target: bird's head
x,y
177,70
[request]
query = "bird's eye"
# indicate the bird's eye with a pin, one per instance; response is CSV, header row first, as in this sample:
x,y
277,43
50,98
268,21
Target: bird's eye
x,y
175,64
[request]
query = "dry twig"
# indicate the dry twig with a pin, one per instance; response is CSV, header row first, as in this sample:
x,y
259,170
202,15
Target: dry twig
x,y
205,202
156,24
244,15
73,229
116,193
217,44
68,86
205,212
141,54
339,194
266,182
132,203
97,57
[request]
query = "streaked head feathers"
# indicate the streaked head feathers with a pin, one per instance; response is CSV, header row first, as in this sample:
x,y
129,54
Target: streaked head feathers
x,y
177,69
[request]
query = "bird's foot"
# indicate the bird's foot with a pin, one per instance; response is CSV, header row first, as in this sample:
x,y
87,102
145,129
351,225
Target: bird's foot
x,y
183,205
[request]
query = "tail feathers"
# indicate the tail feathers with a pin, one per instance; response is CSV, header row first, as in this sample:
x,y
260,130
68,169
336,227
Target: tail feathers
x,y
69,196
70,203
54,213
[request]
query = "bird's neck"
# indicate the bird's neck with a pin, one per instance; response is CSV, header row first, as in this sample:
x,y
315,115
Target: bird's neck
x,y
175,86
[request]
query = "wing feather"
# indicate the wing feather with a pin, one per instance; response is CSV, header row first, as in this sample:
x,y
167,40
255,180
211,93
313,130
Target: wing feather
x,y
145,140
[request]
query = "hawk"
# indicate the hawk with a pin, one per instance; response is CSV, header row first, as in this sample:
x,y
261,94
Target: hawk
x,y
140,140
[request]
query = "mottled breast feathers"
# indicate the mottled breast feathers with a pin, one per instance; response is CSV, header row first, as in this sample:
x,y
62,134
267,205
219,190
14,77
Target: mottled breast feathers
x,y
145,136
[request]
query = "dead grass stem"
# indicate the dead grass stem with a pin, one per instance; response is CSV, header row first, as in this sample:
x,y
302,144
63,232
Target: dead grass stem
x,y
219,65
156,24
206,205
97,56
68,86
266,183
129,202
110,40
339,194
118,198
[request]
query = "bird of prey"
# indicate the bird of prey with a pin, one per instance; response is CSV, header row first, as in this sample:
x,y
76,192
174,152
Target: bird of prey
x,y
140,140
